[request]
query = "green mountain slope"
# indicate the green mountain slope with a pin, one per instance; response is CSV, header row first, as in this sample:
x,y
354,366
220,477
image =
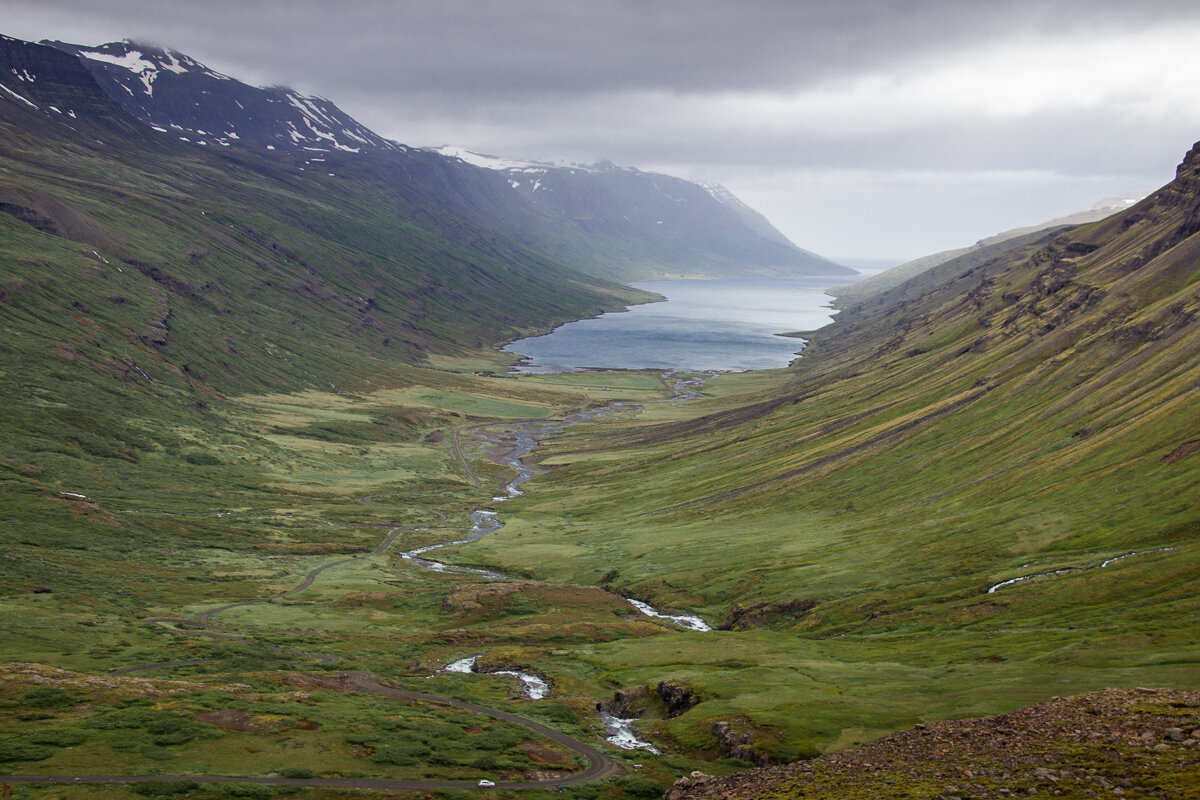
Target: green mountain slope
x,y
982,250
146,285
1031,417
137,266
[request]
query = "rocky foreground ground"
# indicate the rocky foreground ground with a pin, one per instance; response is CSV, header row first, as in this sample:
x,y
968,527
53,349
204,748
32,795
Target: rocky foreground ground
x,y
1129,743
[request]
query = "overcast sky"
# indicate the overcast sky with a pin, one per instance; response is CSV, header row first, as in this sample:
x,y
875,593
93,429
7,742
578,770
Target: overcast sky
x,y
861,129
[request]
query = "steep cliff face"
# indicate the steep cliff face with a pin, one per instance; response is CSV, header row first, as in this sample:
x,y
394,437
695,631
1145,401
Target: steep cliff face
x,y
41,79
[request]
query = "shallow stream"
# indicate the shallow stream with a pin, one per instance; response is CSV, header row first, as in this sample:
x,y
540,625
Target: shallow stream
x,y
526,438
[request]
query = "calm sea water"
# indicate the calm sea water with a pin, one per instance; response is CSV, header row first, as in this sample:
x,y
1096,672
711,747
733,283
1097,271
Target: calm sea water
x,y
729,324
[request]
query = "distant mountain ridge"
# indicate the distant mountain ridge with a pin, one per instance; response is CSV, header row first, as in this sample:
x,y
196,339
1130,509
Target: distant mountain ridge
x,y
984,248
530,174
613,222
676,214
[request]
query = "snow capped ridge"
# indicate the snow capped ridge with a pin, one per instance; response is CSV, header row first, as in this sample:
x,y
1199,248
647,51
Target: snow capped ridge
x,y
146,61
488,161
172,91
718,191
724,196
499,163
1121,201
527,176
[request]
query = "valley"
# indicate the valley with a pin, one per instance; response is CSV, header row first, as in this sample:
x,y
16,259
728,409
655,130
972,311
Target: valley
x,y
266,474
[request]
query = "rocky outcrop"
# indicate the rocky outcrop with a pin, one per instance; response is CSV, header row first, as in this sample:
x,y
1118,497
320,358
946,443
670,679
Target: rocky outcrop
x,y
759,614
735,744
686,784
637,701
629,703
1132,742
679,697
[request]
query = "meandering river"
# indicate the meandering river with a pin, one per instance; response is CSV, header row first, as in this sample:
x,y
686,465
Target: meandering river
x,y
525,437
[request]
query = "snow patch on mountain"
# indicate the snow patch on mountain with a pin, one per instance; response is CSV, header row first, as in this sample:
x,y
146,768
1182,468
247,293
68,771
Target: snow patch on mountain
x,y
724,196
133,61
486,161
259,118
499,164
18,96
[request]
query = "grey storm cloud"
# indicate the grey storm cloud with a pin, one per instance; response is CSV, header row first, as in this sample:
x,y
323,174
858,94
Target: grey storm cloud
x,y
942,121
530,47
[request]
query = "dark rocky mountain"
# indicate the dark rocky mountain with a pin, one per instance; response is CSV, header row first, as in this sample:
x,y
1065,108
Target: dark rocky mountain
x,y
617,223
178,95
203,238
60,89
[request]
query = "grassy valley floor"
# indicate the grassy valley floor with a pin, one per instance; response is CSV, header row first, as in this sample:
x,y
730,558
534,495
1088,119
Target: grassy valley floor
x,y
283,486
294,482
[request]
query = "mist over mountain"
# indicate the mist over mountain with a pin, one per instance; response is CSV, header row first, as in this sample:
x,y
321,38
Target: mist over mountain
x,y
613,222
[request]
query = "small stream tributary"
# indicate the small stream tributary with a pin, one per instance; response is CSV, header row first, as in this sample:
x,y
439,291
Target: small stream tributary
x,y
619,731
532,686
526,437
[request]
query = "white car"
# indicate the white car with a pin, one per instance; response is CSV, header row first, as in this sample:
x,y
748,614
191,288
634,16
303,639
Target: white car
x,y
486,784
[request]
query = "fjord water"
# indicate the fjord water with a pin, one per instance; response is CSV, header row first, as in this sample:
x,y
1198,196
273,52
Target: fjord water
x,y
729,324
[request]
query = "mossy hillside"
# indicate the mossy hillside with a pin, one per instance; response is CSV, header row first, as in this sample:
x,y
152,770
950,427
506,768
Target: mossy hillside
x,y
280,482
141,284
1031,415
935,434
213,541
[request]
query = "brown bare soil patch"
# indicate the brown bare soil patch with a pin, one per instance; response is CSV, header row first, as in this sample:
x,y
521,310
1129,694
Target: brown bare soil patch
x,y
380,600
233,719
314,548
307,683
471,598
15,678
544,754
1182,451
977,611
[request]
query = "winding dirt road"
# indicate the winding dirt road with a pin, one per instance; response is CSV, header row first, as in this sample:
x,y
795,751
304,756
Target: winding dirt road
x,y
461,458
